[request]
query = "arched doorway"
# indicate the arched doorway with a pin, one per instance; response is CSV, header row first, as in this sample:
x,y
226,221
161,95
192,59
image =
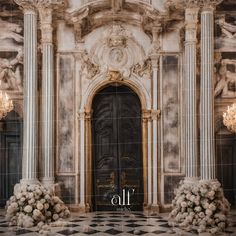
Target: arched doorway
x,y
10,155
117,149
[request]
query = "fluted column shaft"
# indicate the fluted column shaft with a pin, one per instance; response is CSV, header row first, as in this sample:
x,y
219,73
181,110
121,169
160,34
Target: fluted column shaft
x,y
191,19
29,170
207,154
82,159
149,128
47,96
154,132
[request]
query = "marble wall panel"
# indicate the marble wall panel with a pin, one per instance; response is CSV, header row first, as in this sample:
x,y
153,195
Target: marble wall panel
x,y
67,188
170,184
170,114
65,161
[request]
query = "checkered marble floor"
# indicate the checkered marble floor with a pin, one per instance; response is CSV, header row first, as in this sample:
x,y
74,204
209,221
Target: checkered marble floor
x,y
111,223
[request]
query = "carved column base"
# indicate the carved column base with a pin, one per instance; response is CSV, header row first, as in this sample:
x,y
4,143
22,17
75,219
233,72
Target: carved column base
x,y
151,209
29,181
79,208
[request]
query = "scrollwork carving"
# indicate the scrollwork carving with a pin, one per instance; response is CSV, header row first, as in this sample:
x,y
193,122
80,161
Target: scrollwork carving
x,y
88,69
143,69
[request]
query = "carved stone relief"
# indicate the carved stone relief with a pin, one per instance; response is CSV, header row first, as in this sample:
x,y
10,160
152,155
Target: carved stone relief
x,y
118,51
226,39
11,56
11,73
226,79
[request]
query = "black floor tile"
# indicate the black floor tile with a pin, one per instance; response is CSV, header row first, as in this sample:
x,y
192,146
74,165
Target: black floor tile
x,y
23,231
113,231
158,232
68,232
133,225
137,232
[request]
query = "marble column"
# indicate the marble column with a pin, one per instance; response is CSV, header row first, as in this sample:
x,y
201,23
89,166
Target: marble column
x,y
82,160
154,114
154,131
207,147
45,14
147,141
191,20
30,149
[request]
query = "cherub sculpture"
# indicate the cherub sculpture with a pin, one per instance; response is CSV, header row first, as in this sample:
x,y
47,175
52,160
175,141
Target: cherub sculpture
x,y
10,31
226,78
228,30
10,75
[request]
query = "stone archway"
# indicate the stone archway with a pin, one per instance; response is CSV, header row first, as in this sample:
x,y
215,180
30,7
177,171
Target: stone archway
x,y
88,162
117,149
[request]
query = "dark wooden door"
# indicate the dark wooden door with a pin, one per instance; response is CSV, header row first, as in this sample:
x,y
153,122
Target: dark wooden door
x,y
117,148
226,165
10,155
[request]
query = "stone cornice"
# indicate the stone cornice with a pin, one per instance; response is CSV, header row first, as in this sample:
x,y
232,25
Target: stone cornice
x,y
34,5
99,13
183,4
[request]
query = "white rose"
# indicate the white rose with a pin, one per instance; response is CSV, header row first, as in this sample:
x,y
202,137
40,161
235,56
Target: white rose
x,y
55,216
28,209
40,206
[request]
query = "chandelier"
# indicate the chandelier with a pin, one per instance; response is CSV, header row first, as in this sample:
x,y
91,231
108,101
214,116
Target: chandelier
x,y
6,105
229,118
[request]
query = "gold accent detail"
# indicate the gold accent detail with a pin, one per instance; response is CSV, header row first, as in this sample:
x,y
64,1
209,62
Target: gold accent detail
x,y
114,76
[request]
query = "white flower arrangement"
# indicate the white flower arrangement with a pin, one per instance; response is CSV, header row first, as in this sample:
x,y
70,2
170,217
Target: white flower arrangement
x,y
34,205
201,206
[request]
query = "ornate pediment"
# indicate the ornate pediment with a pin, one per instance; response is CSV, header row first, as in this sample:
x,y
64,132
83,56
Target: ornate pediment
x,y
117,50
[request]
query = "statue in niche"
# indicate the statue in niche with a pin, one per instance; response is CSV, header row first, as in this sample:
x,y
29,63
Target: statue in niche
x,y
10,75
10,30
228,30
226,80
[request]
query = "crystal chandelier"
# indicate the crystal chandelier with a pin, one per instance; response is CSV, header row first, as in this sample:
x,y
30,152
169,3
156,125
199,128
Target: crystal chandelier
x,y
229,118
6,105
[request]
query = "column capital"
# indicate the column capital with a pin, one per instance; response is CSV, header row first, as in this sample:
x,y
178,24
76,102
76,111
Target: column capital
x,y
209,5
156,114
146,115
45,15
191,23
155,59
33,5
156,31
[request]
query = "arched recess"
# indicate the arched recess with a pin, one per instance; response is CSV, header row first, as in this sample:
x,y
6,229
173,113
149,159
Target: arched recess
x,y
11,139
86,108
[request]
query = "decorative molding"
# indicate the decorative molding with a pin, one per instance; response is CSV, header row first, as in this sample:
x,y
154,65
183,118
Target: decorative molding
x,y
156,114
143,69
114,76
117,51
87,67
146,115
33,5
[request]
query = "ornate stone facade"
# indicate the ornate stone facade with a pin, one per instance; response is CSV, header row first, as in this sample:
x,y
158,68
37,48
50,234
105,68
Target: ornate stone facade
x,y
73,49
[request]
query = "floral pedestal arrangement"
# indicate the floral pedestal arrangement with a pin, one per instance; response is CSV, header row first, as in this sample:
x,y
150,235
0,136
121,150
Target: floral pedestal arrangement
x,y
34,205
200,205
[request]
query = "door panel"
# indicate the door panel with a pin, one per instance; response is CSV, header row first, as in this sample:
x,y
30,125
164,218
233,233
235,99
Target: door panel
x,y
117,162
226,165
10,155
